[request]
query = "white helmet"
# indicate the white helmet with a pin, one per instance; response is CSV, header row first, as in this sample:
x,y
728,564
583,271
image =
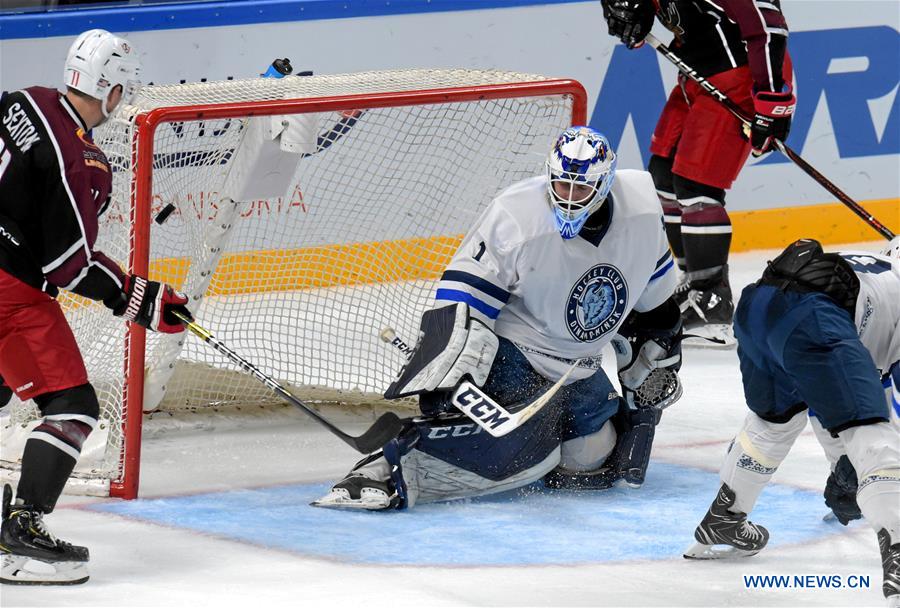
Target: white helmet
x,y
581,156
98,61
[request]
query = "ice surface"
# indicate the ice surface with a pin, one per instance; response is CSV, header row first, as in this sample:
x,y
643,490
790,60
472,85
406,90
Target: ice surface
x,y
224,521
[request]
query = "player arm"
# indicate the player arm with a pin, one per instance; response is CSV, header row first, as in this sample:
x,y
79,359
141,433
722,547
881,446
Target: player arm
x,y
69,226
661,284
482,274
765,33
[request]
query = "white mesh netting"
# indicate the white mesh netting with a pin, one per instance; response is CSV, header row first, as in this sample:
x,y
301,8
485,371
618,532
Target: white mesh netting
x,y
302,284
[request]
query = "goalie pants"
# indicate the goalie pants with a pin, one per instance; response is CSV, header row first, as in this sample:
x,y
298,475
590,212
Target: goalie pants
x,y
800,350
576,410
38,352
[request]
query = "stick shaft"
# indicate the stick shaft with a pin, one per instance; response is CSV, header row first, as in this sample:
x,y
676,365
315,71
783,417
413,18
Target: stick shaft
x,y
377,435
798,160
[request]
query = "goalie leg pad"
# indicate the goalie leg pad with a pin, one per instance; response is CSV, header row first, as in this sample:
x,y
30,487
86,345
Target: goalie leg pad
x,y
451,345
637,429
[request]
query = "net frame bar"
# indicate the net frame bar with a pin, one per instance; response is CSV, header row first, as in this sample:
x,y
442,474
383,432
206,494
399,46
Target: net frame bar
x,y
145,126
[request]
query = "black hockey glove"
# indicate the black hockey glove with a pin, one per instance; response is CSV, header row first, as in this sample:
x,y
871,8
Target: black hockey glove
x,y
150,304
648,354
772,120
5,393
629,20
840,492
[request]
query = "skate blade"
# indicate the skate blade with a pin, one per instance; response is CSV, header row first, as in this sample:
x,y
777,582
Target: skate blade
x,y
710,336
703,551
21,570
335,500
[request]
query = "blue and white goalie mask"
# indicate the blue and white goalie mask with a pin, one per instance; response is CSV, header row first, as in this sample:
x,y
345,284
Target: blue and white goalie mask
x,y
581,167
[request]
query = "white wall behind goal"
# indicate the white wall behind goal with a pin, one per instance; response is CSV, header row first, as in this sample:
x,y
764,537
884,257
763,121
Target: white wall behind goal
x,y
846,57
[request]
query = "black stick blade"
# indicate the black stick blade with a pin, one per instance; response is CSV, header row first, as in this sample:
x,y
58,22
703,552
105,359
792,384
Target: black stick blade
x,y
383,430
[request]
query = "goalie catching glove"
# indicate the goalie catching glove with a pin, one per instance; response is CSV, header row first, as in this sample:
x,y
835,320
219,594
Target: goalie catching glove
x,y
150,304
452,346
648,354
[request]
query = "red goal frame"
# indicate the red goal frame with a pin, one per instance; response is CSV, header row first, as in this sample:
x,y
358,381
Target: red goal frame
x,y
145,126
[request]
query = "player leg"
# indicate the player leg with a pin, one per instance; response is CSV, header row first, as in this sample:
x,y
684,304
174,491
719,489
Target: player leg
x,y
448,456
40,360
711,153
776,418
662,148
850,402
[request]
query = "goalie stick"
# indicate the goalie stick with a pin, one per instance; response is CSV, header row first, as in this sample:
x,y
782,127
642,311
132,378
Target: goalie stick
x,y
385,428
783,147
474,403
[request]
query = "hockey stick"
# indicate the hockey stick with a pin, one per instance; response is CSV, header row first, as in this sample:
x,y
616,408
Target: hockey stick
x,y
474,403
385,428
783,147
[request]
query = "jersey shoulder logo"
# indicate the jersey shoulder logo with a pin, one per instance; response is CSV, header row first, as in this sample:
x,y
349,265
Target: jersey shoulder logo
x,y
596,303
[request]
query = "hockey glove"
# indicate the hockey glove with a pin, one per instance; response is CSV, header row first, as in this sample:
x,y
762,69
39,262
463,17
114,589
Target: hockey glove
x,y
629,20
772,120
452,345
5,393
840,492
648,354
150,304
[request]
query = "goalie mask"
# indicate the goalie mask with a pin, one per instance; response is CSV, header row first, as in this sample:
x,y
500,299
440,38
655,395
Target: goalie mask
x,y
99,61
581,167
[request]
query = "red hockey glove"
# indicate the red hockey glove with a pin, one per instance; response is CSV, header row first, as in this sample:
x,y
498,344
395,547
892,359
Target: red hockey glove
x,y
772,120
629,20
150,304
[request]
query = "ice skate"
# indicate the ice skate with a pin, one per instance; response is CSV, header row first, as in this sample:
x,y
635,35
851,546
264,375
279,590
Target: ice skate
x,y
358,491
723,534
32,555
708,309
890,561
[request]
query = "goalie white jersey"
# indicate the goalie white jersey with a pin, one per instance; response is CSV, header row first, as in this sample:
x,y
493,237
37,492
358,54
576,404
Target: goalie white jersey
x,y
878,305
561,299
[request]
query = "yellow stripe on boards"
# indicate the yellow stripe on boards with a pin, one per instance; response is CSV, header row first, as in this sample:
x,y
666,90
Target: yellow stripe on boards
x,y
831,224
425,258
320,266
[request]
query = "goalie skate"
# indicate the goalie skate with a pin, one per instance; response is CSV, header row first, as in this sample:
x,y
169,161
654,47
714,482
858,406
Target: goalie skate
x,y
356,491
725,535
31,554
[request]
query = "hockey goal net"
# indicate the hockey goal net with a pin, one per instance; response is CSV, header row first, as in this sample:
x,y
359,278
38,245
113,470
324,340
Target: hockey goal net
x,y
391,170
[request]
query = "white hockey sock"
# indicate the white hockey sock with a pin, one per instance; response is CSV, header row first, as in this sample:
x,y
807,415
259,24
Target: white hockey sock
x,y
755,455
874,451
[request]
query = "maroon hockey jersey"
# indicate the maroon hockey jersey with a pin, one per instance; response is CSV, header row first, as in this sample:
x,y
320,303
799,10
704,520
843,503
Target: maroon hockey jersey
x,y
717,35
54,184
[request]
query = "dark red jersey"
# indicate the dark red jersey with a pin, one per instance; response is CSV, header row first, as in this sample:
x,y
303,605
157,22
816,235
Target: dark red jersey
x,y
54,185
713,36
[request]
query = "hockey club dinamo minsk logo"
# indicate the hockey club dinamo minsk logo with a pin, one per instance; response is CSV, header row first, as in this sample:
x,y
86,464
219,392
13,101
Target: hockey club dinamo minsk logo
x,y
596,303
